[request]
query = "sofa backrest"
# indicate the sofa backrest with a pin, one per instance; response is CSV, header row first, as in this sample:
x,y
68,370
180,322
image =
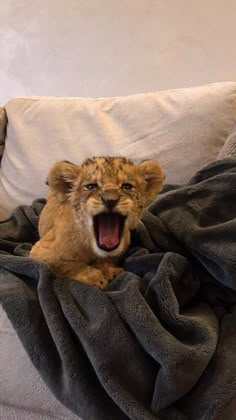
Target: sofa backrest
x,y
183,129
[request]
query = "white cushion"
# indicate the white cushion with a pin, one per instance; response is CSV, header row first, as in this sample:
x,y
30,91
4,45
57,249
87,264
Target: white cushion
x,y
183,129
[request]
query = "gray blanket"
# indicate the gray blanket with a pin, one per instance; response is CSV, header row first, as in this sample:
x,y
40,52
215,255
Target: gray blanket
x,y
160,343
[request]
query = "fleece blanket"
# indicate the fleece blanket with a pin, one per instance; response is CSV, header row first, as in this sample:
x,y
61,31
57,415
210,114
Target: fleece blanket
x,y
160,342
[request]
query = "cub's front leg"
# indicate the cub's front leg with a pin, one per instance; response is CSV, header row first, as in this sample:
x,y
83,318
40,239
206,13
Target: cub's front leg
x,y
67,267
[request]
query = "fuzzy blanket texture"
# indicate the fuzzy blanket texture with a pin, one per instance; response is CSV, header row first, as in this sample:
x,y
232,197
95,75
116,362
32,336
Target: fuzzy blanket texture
x,y
160,342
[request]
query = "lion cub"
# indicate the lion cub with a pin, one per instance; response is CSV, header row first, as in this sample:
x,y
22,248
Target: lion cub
x,y
91,209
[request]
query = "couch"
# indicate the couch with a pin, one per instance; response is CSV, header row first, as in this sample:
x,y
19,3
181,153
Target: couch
x,y
184,129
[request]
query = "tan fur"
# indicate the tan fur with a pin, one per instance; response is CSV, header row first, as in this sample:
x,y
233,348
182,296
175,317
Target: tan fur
x,y
68,243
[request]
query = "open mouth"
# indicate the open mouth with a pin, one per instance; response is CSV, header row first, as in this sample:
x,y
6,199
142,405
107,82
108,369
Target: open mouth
x,y
108,228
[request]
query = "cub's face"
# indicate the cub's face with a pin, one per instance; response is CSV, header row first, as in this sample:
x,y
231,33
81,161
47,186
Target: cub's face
x,y
107,195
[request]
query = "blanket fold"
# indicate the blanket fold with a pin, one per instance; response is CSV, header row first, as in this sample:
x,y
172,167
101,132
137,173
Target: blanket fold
x,y
160,342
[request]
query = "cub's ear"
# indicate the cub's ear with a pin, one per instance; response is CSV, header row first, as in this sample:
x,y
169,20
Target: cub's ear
x,y
61,178
153,175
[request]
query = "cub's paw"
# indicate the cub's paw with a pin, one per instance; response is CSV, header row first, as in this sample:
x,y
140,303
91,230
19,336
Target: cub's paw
x,y
111,272
92,276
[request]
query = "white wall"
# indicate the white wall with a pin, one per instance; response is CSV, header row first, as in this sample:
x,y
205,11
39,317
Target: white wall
x,y
114,47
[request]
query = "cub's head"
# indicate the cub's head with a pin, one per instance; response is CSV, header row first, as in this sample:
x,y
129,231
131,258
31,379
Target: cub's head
x,y
107,195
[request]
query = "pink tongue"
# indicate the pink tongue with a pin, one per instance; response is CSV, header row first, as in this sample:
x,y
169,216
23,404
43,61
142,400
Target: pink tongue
x,y
108,230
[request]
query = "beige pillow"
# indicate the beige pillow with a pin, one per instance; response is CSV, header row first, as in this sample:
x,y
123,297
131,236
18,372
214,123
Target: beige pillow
x,y
183,129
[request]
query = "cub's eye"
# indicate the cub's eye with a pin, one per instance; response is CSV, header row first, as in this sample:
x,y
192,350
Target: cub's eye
x,y
91,186
127,186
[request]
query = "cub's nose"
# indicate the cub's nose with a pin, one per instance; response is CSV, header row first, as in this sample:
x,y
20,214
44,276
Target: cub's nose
x,y
109,203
